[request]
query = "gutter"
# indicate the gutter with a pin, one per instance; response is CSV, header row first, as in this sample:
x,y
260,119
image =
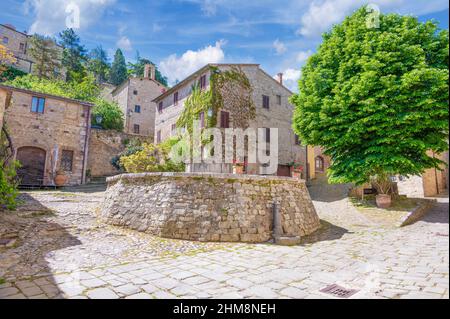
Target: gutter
x,y
86,144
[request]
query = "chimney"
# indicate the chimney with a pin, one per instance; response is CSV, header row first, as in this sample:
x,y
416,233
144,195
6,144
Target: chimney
x,y
149,71
280,78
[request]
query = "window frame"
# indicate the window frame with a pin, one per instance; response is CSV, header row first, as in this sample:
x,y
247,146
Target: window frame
x,y
136,129
224,119
160,107
266,98
62,164
175,98
279,99
158,137
137,108
203,82
5,40
37,110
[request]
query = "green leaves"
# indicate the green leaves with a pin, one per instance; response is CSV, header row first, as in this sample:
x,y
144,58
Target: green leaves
x,y
376,100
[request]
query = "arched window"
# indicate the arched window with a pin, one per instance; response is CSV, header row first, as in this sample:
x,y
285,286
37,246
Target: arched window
x,y
319,163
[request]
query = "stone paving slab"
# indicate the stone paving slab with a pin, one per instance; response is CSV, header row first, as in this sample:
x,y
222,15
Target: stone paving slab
x,y
105,262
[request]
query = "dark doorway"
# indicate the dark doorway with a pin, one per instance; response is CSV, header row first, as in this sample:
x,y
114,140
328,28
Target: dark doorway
x,y
284,170
32,161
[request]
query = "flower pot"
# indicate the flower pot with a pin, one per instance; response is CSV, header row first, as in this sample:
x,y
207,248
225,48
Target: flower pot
x,y
297,174
61,180
383,200
238,169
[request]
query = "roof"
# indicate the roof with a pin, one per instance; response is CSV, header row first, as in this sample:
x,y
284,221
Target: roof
x,y
203,69
40,94
127,81
14,29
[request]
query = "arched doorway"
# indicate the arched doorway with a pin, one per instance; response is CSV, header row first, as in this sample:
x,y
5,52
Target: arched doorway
x,y
32,160
319,164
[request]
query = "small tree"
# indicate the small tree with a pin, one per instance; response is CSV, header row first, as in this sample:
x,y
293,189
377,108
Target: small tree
x,y
118,72
6,57
376,98
98,64
74,55
111,114
46,57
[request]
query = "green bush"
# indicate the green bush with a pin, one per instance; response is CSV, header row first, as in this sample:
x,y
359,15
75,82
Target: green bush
x,y
10,74
8,185
111,114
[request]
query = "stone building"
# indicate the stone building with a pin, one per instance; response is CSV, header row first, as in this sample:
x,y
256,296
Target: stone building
x,y
50,135
19,43
273,110
135,97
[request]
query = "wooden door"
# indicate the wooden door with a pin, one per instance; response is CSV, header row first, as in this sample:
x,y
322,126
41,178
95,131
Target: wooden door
x,y
32,160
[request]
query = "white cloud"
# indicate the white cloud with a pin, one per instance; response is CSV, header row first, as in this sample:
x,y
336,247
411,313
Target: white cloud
x,y
322,14
279,46
290,79
177,68
50,15
124,43
302,56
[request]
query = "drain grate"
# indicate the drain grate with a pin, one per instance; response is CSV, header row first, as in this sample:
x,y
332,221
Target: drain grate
x,y
338,291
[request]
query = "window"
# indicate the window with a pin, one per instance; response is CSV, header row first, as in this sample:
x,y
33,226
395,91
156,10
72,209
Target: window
x,y
22,47
174,129
279,99
160,107
37,104
66,160
137,109
267,135
297,140
203,82
5,40
158,137
175,98
224,119
202,119
266,102
135,92
136,129
319,163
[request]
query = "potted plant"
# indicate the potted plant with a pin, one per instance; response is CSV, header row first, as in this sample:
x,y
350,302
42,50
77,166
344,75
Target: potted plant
x,y
296,170
383,185
61,178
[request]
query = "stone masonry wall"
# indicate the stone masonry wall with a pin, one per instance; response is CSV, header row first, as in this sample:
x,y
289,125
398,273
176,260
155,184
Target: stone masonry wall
x,y
209,207
103,146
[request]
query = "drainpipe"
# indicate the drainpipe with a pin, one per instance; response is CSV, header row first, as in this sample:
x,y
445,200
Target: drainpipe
x,y
307,164
86,144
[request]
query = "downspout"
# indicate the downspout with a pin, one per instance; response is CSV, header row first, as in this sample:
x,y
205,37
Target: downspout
x,y
86,144
307,164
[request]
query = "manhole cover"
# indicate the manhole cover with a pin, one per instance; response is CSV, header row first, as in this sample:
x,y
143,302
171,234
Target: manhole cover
x,y
338,291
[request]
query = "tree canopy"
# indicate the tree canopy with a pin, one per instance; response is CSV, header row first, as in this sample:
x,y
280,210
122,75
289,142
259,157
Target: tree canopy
x,y
137,69
74,55
376,98
118,72
46,57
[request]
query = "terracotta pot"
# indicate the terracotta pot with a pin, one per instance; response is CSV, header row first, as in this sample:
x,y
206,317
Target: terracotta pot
x,y
60,180
383,200
297,174
238,169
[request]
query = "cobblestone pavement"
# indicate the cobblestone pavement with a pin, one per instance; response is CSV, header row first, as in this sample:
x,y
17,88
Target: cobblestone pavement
x,y
61,251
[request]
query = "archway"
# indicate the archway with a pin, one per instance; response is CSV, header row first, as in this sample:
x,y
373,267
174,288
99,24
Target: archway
x,y
32,160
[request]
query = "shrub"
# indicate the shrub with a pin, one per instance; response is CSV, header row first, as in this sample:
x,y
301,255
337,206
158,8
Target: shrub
x,y
10,74
111,113
152,158
8,185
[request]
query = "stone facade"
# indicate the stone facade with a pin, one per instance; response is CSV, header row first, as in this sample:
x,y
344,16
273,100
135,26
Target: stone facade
x,y
19,43
103,146
209,207
277,115
54,139
135,97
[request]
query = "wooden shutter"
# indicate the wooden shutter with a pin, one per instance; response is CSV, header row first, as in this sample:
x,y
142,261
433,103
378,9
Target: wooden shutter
x,y
224,119
267,135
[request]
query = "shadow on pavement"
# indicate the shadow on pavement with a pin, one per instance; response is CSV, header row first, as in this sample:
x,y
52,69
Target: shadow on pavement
x,y
327,232
35,236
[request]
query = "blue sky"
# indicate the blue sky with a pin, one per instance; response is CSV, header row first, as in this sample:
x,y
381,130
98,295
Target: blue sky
x,y
183,35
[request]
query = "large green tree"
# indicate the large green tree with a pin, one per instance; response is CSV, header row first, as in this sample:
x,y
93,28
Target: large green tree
x,y
74,55
118,72
376,97
98,64
46,57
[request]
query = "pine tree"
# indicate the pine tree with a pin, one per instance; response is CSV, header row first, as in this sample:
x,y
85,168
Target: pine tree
x,y
74,55
118,72
46,57
98,64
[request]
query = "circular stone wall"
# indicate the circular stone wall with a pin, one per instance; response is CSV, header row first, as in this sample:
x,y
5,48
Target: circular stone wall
x,y
209,207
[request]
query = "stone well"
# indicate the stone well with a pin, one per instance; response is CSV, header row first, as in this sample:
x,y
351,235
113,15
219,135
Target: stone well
x,y
209,207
